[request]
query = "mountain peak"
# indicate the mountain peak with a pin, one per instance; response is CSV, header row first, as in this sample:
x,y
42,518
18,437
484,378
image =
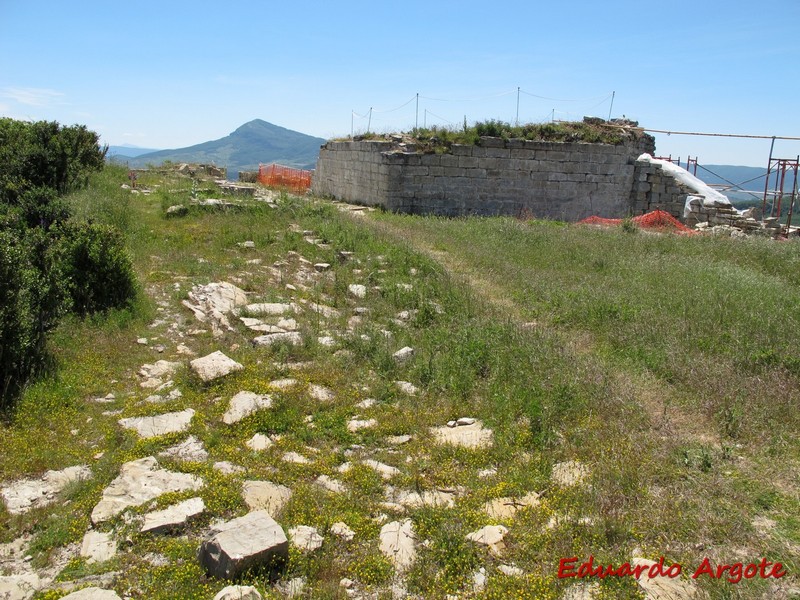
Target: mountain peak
x,y
252,143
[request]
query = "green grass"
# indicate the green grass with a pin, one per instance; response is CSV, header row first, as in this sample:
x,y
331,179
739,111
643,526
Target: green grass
x,y
639,364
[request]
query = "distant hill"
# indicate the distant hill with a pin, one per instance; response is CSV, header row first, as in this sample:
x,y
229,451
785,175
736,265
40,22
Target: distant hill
x,y
750,178
252,143
125,152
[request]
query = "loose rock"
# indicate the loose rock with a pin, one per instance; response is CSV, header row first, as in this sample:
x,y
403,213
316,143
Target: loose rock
x,y
190,450
238,592
249,542
22,496
214,366
397,543
156,425
98,547
305,538
490,536
177,515
265,496
140,481
244,404
468,436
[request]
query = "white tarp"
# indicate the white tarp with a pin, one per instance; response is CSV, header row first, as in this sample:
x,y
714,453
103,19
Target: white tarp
x,y
704,193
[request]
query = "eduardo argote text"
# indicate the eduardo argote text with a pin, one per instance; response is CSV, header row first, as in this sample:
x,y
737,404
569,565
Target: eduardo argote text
x,y
734,573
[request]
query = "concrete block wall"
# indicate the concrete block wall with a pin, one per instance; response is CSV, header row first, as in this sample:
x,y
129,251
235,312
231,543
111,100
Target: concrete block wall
x,y
555,180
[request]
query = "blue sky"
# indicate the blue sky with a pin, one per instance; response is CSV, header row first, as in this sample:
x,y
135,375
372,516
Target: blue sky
x,y
172,73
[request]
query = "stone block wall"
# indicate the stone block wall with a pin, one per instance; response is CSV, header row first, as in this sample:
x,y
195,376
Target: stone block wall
x,y
655,189
555,180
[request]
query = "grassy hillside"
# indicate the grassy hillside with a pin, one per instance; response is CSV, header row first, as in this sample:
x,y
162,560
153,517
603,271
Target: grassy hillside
x,y
666,366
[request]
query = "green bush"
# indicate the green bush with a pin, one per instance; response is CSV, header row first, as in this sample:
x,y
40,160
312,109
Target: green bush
x,y
98,269
32,298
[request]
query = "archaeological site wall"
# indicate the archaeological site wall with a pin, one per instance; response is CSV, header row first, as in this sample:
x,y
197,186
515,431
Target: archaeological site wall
x,y
555,180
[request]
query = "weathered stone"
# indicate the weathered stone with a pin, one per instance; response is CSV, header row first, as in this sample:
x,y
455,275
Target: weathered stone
x,y
293,588
403,355
172,517
397,543
296,458
341,530
191,450
569,473
398,440
490,536
265,495
582,591
21,496
269,308
92,593
330,484
431,498
98,547
506,508
406,387
662,587
177,210
259,442
228,468
320,393
385,471
154,374
19,587
210,304
238,592
156,425
322,267
244,404
140,481
357,290
214,366
468,436
254,541
305,538
288,337
283,384
355,424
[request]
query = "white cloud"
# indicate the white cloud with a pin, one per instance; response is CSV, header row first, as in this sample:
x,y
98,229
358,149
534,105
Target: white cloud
x,y
31,96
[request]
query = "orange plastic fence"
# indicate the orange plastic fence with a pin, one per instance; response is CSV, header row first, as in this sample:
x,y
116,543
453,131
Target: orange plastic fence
x,y
657,219
297,180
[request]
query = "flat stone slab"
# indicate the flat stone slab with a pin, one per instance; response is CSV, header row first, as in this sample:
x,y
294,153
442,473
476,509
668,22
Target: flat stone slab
x,y
26,494
357,290
19,587
305,538
265,495
430,498
172,517
213,366
320,393
269,308
98,547
238,592
154,374
662,587
403,355
212,302
156,425
259,442
506,508
244,404
490,536
253,541
397,543
407,387
354,425
140,481
467,436
288,337
329,483
384,470
190,450
92,593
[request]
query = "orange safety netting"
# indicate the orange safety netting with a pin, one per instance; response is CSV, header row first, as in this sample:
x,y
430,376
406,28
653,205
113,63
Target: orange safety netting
x,y
297,180
657,219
